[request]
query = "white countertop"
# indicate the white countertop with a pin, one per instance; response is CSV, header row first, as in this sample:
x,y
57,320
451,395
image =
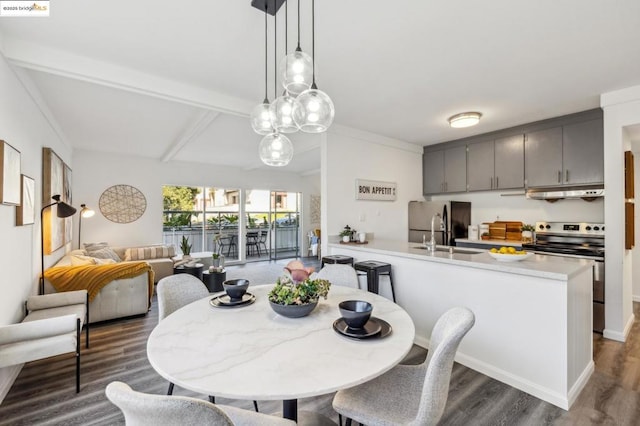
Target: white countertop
x,y
541,266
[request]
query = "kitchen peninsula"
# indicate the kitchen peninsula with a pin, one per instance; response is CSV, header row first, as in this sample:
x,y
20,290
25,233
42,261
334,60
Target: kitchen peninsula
x,y
533,317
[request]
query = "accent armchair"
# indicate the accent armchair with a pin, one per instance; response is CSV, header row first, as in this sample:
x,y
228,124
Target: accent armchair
x,y
51,327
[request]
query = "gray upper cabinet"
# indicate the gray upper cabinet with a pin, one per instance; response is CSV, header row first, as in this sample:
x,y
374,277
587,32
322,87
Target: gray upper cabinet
x,y
433,172
496,164
455,169
543,157
568,155
509,162
444,171
480,166
583,152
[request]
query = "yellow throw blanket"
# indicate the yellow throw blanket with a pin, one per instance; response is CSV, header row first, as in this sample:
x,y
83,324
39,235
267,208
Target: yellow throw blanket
x,y
93,277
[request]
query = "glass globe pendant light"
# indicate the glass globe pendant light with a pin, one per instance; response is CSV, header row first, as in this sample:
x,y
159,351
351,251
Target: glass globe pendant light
x,y
276,150
281,110
315,111
296,68
260,117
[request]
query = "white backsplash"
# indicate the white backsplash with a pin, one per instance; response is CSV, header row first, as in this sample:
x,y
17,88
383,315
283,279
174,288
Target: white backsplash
x,y
492,206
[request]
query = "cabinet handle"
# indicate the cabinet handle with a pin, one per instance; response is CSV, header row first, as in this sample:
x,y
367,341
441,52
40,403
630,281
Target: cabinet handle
x,y
497,184
559,176
566,176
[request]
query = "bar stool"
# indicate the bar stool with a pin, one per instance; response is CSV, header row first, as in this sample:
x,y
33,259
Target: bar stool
x,y
337,258
374,269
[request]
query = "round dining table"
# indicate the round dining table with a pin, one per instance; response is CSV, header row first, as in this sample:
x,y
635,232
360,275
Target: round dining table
x,y
250,352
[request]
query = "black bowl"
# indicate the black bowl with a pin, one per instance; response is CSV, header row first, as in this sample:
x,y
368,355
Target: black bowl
x,y
236,288
356,313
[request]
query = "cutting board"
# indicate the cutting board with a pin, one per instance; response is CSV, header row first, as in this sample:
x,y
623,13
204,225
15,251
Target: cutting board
x,y
505,230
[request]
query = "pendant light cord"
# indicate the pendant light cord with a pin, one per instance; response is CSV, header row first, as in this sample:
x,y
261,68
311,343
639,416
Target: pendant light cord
x,y
275,55
286,27
298,48
266,59
313,44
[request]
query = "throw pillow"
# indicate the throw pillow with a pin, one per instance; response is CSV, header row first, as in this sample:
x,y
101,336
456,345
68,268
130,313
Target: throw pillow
x,y
95,246
103,261
104,253
81,260
153,252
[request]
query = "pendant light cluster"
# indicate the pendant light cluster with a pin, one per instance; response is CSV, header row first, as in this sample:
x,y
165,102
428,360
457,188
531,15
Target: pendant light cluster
x,y
302,106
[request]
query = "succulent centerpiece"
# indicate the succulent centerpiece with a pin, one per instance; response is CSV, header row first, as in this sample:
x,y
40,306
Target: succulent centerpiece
x,y
295,293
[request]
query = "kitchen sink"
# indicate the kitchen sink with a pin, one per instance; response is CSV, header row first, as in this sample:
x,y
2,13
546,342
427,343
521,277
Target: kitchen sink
x,y
455,250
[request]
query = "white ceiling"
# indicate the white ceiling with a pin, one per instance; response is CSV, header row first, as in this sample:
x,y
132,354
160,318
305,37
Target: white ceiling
x,y
171,80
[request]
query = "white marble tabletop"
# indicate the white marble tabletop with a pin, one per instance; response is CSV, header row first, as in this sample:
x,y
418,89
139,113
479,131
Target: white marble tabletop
x,y
253,353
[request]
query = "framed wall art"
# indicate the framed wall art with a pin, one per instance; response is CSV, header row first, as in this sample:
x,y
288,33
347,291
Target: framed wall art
x,y
10,174
25,212
67,198
122,203
53,227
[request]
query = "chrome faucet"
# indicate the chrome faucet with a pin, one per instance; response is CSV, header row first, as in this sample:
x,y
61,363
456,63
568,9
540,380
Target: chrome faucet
x,y
432,242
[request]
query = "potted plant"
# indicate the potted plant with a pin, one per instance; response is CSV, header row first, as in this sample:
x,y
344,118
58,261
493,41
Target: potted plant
x,y
295,295
346,234
527,233
485,236
185,247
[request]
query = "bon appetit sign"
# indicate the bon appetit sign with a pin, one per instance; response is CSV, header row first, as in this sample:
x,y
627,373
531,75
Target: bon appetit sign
x,y
375,190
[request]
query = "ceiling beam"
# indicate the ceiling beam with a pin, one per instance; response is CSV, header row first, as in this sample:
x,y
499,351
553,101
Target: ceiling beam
x,y
28,84
197,127
58,62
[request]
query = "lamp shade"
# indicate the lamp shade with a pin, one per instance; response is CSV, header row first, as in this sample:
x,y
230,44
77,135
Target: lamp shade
x,y
281,114
465,119
314,112
296,71
86,211
276,150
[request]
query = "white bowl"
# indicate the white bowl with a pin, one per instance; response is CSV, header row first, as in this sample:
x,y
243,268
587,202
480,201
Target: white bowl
x,y
509,257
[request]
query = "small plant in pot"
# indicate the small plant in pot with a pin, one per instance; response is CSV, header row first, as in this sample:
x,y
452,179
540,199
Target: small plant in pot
x,y
485,236
527,233
185,247
346,234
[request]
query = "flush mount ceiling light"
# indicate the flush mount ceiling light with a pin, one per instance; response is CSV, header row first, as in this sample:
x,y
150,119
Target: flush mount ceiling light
x,y
465,119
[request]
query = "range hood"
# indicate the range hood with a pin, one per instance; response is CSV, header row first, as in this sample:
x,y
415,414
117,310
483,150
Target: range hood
x,y
587,193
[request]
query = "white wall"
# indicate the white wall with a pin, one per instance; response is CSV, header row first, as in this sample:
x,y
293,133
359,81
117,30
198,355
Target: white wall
x,y
349,155
621,110
25,128
94,172
492,206
635,269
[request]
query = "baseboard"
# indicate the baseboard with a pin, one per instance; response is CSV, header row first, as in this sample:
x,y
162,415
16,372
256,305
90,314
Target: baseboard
x,y
540,392
620,336
8,375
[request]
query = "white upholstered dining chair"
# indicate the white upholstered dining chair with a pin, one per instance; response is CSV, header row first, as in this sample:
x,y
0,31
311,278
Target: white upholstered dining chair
x,y
142,409
410,394
339,274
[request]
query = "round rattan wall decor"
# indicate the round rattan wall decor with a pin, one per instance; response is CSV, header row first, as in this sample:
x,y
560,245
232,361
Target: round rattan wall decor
x,y
122,203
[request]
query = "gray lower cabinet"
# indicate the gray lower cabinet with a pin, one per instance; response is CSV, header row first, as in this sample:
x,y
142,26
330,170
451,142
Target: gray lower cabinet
x,y
583,152
444,171
543,157
496,164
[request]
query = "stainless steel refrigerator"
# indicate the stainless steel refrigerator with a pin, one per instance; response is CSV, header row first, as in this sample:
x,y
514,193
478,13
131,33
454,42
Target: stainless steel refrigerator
x,y
456,218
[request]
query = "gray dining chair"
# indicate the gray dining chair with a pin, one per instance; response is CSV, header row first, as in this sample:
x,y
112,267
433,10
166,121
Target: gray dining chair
x,y
338,274
142,409
410,394
176,291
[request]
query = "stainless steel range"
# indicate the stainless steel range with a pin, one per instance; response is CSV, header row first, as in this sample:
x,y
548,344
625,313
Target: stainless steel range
x,y
579,240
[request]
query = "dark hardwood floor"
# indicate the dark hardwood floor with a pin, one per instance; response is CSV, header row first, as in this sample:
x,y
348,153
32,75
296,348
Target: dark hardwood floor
x,y
44,392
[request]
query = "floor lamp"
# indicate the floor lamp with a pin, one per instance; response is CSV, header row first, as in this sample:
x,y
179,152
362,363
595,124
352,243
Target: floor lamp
x,y
84,212
64,210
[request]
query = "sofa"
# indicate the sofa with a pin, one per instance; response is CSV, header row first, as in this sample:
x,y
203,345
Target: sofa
x,y
120,297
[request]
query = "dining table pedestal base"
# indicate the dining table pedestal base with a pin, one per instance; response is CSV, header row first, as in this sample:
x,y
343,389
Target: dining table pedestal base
x,y
303,417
